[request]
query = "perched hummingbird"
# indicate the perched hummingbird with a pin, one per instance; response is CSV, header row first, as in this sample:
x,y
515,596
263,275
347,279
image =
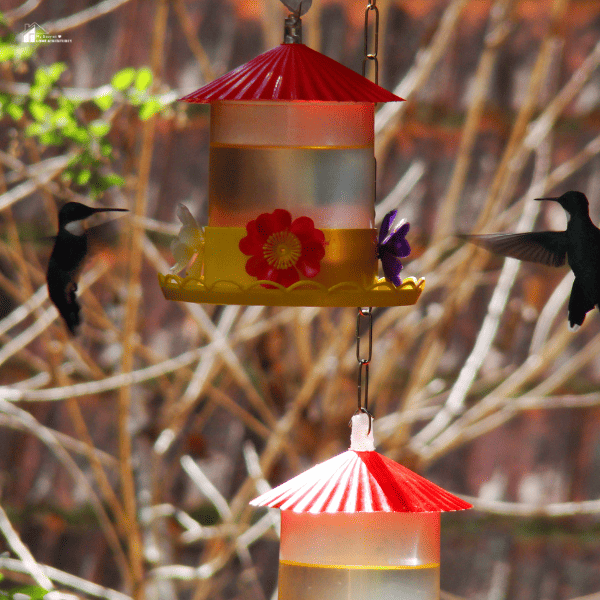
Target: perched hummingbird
x,y
579,245
66,260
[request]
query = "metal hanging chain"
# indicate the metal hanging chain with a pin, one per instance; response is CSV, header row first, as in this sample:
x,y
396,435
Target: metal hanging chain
x,y
363,362
371,12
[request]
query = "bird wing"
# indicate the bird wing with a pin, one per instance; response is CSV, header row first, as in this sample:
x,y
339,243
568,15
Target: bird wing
x,y
545,247
61,289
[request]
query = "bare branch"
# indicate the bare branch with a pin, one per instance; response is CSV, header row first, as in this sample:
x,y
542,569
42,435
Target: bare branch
x,y
521,509
26,558
425,61
55,167
204,484
83,17
21,11
61,577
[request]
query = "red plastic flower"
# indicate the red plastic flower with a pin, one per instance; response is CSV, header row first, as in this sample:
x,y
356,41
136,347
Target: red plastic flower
x,y
281,250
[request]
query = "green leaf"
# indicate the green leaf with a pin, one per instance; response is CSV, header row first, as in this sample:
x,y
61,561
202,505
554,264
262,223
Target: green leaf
x,y
123,79
7,52
62,118
40,111
143,79
83,176
113,179
42,78
55,70
150,108
103,182
77,134
68,104
105,148
34,129
14,111
105,101
35,592
51,138
99,128
38,92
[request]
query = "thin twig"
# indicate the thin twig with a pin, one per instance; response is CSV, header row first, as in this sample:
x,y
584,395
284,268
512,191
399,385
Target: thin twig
x,y
82,17
61,577
193,42
19,548
499,29
204,484
46,436
425,61
72,444
27,188
21,11
522,509
455,402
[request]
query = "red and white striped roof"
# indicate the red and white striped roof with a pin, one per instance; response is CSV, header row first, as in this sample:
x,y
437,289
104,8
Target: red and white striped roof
x,y
360,481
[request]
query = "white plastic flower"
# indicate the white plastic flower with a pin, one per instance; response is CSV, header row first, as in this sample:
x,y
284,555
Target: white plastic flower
x,y
189,242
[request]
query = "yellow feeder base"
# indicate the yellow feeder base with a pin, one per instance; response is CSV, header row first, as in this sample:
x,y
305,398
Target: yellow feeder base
x,y
301,293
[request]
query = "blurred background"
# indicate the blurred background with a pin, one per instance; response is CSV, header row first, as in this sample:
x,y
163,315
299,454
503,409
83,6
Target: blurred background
x,y
128,454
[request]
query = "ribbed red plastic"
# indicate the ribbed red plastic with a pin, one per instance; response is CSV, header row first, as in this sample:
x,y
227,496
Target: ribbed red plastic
x,y
292,72
360,482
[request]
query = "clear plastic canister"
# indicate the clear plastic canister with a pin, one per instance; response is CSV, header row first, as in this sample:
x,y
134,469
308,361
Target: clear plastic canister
x,y
359,556
314,159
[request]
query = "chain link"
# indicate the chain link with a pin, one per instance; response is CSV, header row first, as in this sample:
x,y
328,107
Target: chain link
x,y
371,12
371,56
363,362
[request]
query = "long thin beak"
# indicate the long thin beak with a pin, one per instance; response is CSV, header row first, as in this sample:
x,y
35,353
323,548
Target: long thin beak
x,y
540,199
98,210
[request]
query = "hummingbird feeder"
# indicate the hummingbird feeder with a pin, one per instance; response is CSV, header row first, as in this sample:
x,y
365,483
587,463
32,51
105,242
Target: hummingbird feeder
x,y
291,222
291,187
360,526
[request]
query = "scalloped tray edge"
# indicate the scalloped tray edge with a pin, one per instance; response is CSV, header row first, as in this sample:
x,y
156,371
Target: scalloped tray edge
x,y
302,293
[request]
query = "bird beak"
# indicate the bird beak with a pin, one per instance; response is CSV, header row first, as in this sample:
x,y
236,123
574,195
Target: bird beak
x,y
540,199
97,219
99,210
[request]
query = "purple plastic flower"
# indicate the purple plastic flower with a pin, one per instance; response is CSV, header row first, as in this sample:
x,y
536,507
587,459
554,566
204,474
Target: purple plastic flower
x,y
392,247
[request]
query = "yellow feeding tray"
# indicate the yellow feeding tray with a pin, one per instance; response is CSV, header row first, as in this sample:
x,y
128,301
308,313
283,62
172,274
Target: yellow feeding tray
x,y
277,261
301,293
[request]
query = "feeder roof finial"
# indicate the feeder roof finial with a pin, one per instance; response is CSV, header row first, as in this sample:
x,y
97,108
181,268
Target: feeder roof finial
x,y
361,438
292,32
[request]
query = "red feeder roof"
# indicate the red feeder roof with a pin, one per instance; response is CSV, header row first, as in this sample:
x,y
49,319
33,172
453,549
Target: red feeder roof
x,y
360,482
292,72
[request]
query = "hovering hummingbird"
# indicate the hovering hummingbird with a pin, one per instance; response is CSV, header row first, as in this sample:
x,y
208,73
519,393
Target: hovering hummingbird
x,y
66,260
579,245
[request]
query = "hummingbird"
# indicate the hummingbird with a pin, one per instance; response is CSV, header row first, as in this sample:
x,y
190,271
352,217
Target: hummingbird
x,y
579,245
67,258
